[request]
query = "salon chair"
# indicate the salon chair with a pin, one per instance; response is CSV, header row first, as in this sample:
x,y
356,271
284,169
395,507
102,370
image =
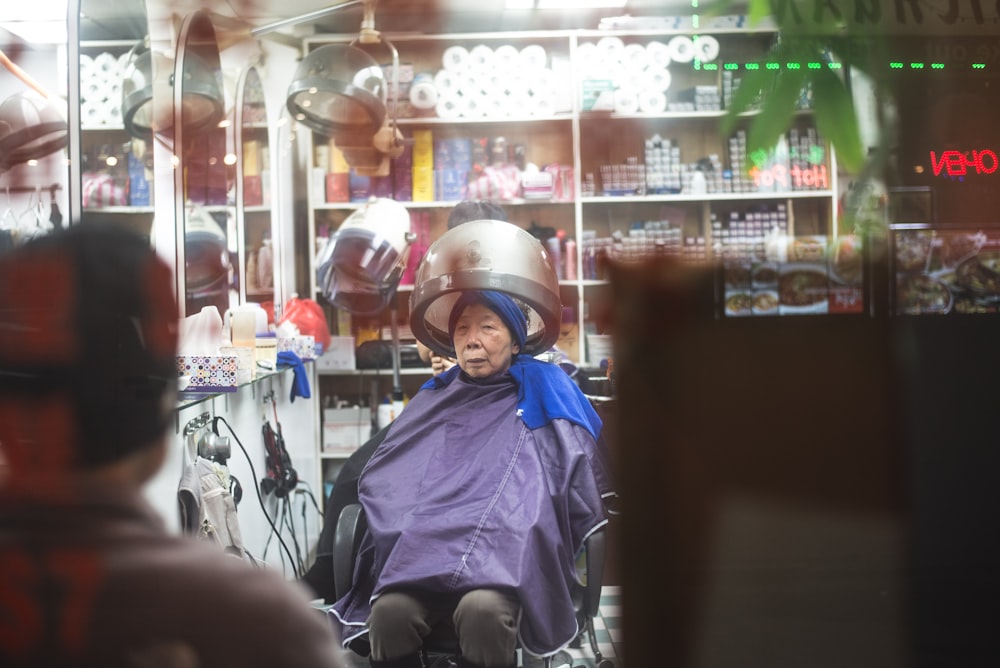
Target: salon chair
x,y
351,527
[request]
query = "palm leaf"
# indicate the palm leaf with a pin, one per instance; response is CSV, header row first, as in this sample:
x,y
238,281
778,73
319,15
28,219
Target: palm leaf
x,y
837,120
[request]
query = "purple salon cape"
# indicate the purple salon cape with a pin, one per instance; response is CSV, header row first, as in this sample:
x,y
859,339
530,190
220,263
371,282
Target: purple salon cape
x,y
463,494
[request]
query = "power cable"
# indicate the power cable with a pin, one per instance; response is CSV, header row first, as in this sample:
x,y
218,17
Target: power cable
x,y
274,529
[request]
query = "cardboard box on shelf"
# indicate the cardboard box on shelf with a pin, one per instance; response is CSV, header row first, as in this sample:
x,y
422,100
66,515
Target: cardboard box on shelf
x,y
339,356
345,429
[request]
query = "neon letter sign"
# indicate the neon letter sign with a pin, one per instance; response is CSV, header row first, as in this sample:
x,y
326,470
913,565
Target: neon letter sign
x,y
956,163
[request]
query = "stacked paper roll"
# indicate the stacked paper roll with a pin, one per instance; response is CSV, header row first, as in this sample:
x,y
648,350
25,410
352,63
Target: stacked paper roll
x,y
626,101
101,89
423,94
652,102
455,58
706,47
639,73
486,82
681,49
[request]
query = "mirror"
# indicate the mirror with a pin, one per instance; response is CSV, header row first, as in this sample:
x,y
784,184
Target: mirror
x,y
253,196
115,168
201,176
34,130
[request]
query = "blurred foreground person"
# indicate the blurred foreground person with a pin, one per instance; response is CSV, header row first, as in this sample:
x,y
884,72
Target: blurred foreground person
x,y
89,575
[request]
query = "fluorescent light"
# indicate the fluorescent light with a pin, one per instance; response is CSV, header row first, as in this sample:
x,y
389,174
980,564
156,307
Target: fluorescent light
x,y
36,21
564,4
37,32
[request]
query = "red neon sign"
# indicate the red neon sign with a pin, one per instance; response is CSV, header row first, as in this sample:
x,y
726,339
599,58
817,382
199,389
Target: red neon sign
x,y
798,177
956,163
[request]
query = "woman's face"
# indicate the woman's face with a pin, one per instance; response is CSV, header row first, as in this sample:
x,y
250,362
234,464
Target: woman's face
x,y
483,344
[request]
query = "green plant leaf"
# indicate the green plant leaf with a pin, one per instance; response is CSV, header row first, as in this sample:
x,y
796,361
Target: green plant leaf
x,y
836,119
780,105
753,85
759,10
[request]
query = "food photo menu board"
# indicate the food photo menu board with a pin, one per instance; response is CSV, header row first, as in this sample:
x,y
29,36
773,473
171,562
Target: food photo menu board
x,y
941,271
804,275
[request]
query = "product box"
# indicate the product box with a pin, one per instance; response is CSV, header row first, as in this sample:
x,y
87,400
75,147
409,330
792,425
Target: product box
x,y
207,373
345,429
253,190
423,184
338,187
449,184
340,355
360,187
302,345
139,191
537,185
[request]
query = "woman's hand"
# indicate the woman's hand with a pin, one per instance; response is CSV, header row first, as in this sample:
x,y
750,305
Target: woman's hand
x,y
441,364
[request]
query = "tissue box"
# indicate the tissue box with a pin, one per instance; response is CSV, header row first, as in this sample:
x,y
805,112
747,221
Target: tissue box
x,y
340,355
302,345
208,373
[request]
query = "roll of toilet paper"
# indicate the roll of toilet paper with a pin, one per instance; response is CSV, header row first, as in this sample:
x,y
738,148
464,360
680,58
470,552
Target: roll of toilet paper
x,y
635,57
505,107
611,48
455,58
86,67
112,112
542,81
449,106
543,104
482,58
707,48
629,78
588,57
500,81
681,49
505,57
493,105
533,56
91,113
423,93
626,101
659,54
652,102
446,81
474,106
95,89
106,64
471,85
656,78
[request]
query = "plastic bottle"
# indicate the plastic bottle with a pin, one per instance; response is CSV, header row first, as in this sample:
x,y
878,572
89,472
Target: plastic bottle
x,y
570,260
265,265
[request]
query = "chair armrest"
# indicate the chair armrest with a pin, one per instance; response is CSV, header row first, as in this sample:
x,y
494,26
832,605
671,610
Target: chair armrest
x,y
595,546
351,527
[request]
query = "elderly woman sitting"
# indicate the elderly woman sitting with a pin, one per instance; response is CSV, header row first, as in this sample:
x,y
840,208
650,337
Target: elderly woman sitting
x,y
478,501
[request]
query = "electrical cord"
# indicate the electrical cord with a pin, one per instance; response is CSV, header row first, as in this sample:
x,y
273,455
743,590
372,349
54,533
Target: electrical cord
x,y
312,497
274,529
288,521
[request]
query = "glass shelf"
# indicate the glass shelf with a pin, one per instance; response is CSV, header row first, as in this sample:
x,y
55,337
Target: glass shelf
x,y
188,399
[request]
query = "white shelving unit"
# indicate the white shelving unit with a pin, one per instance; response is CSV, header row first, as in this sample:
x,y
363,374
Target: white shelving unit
x,y
583,140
